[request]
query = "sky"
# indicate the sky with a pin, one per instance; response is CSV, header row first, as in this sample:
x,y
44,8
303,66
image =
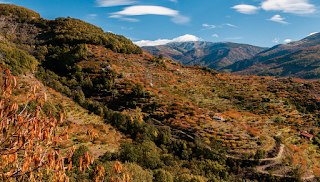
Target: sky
x,y
263,23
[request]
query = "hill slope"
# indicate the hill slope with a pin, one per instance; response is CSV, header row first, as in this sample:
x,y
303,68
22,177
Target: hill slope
x,y
209,54
280,60
304,63
166,109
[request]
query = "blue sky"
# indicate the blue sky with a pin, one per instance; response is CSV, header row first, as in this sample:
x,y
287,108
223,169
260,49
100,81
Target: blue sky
x,y
152,22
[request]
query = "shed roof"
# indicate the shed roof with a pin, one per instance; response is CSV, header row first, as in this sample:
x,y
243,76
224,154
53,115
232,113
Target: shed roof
x,y
304,133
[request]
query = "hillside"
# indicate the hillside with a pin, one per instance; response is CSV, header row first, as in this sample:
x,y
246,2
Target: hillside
x,y
300,64
297,59
163,120
207,54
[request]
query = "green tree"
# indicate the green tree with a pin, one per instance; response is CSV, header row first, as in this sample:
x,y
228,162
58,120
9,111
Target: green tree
x,y
161,175
139,174
79,96
259,154
138,90
119,120
188,178
151,154
130,152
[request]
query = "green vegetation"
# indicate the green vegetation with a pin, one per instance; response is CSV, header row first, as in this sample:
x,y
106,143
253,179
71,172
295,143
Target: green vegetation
x,y
17,60
72,32
162,111
22,14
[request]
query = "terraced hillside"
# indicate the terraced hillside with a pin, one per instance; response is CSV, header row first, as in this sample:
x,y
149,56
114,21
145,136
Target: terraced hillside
x,y
188,123
78,122
259,112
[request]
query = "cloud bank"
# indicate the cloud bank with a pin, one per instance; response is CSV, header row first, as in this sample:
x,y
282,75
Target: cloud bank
x,y
184,38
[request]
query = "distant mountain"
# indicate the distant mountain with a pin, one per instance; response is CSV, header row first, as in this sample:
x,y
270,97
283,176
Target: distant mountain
x,y
298,59
209,54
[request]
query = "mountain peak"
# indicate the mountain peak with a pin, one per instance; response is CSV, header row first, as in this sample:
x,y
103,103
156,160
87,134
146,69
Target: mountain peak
x,y
210,54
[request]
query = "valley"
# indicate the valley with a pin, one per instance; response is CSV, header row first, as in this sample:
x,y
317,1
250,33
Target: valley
x,y
160,118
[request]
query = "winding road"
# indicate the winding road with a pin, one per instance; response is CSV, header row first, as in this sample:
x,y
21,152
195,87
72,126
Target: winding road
x,y
274,161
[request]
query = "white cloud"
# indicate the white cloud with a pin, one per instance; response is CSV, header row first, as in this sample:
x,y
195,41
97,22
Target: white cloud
x,y
175,1
289,6
299,7
184,38
313,33
208,26
246,9
150,10
179,19
130,19
124,18
147,10
287,41
276,40
215,35
110,3
230,25
234,38
278,18
91,16
124,28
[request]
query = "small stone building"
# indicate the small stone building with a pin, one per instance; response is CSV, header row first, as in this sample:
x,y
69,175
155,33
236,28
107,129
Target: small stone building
x,y
306,135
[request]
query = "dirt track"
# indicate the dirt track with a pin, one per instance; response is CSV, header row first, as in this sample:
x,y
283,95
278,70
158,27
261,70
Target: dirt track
x,y
274,161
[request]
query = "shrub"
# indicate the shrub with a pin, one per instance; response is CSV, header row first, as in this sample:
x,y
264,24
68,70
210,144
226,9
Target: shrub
x,y
161,175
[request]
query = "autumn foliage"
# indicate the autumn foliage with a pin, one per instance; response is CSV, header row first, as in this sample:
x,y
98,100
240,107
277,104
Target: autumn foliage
x,y
26,138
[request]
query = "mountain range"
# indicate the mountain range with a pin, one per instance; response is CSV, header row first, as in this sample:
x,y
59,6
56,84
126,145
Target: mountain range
x,y
297,59
208,54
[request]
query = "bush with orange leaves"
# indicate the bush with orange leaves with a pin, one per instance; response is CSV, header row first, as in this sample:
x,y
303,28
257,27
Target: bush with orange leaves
x,y
119,171
117,174
26,139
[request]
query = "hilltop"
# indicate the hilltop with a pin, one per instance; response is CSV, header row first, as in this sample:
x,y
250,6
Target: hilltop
x,y
206,54
163,110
